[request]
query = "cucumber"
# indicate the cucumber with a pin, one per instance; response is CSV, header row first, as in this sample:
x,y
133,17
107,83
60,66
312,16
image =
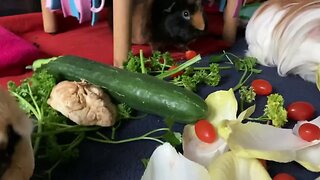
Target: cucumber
x,y
140,91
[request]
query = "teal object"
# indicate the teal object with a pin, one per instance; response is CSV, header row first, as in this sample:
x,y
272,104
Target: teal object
x,y
248,10
222,5
73,9
95,16
55,4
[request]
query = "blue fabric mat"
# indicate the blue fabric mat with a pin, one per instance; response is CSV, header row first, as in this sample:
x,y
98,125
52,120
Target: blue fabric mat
x,y
123,161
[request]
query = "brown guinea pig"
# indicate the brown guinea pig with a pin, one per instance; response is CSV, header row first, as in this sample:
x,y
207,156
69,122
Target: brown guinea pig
x,y
16,154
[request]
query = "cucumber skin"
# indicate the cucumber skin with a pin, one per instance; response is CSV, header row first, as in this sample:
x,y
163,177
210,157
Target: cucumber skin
x,y
140,91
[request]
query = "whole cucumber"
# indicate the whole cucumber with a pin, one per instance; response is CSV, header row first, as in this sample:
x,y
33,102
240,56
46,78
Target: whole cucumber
x,y
140,91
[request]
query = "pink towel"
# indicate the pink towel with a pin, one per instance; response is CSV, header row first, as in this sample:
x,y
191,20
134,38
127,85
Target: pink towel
x,y
15,53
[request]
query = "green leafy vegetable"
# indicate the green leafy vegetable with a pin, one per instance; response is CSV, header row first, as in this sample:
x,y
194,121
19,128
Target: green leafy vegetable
x,y
247,95
160,135
154,64
274,111
245,64
196,75
32,95
159,63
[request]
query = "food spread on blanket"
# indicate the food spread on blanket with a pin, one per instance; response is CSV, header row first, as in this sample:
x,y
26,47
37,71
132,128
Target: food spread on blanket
x,y
218,141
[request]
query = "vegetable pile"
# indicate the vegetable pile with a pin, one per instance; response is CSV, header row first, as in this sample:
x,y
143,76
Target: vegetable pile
x,y
217,130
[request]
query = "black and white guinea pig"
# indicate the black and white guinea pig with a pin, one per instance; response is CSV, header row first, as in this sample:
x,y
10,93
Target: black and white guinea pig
x,y
16,154
166,22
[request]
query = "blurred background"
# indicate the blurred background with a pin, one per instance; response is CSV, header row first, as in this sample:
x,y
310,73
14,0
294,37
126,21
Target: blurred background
x,y
11,7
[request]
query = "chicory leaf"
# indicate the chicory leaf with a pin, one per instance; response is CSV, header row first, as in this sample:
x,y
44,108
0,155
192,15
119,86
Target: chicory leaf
x,y
222,105
230,166
167,163
198,151
255,140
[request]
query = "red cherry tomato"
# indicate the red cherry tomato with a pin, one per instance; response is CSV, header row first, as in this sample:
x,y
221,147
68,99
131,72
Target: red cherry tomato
x,y
190,54
261,87
283,176
309,132
176,74
205,131
300,111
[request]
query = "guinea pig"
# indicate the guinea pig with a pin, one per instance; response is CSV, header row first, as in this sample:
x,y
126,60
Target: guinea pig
x,y
166,22
177,22
16,153
286,34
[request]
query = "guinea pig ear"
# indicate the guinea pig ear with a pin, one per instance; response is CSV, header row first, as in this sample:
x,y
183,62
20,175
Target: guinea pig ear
x,y
169,9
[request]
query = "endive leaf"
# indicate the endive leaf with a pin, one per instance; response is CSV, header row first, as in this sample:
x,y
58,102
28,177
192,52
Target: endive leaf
x,y
254,140
222,105
296,127
198,151
318,77
309,157
230,166
166,163
247,113
263,141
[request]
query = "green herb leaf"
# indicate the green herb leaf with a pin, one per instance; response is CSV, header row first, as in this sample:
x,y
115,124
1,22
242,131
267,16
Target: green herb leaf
x,y
174,138
275,110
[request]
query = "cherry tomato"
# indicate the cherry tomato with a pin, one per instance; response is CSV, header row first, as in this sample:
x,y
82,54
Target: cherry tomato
x,y
190,54
176,74
261,87
309,132
205,131
300,111
283,176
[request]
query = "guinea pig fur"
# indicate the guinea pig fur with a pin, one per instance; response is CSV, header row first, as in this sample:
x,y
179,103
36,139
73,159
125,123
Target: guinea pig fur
x,y
286,34
16,154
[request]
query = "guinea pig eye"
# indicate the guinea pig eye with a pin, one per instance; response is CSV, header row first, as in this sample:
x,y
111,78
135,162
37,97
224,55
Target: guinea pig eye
x,y
186,14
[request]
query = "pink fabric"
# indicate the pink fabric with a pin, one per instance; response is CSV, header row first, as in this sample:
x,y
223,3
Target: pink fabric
x,y
84,7
65,6
15,53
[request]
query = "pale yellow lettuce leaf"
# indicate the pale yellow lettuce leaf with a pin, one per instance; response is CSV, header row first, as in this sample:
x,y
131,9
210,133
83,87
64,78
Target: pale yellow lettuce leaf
x,y
309,157
230,166
166,163
198,151
254,140
246,113
222,105
318,77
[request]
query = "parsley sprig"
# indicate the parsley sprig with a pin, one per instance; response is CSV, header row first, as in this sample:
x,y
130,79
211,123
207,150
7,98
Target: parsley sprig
x,y
32,95
274,111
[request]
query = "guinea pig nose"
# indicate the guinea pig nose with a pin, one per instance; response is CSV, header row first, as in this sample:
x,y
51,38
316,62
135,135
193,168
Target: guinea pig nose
x,y
197,20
